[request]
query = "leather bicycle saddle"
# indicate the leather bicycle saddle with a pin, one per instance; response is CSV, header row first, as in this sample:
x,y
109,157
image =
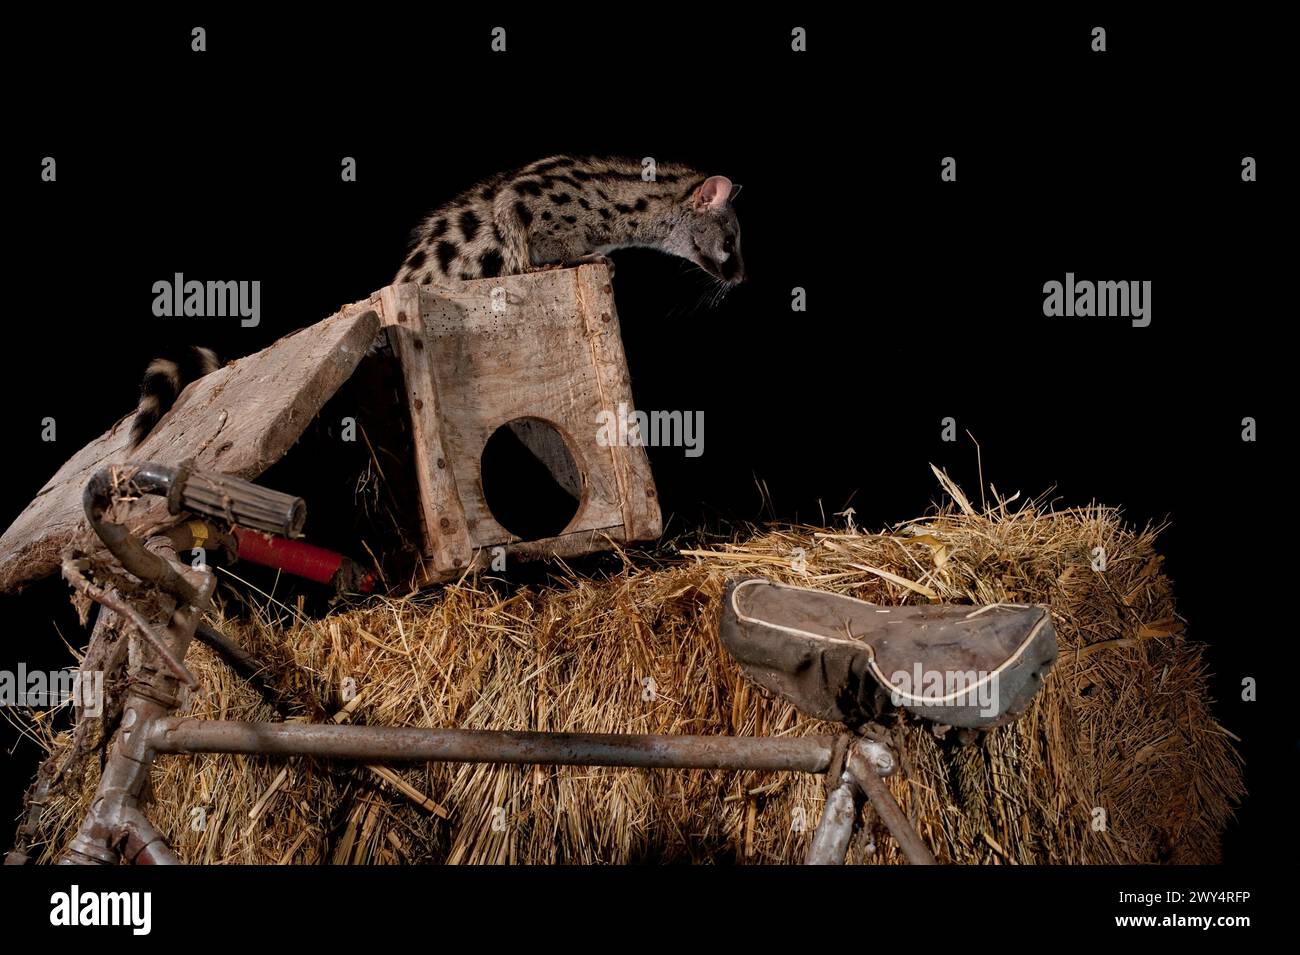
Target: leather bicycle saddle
x,y
846,660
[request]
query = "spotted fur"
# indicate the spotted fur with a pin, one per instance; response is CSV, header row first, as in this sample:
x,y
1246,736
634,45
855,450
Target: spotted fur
x,y
565,210
562,210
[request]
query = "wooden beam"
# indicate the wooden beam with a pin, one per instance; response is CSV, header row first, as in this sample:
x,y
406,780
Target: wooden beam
x,y
641,516
238,420
446,537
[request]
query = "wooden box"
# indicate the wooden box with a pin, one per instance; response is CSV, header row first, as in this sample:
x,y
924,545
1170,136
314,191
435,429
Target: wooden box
x,y
539,354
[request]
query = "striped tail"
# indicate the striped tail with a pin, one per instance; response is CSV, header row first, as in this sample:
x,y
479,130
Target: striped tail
x,y
164,380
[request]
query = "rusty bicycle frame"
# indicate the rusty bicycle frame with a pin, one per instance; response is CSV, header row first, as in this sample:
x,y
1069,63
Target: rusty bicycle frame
x,y
115,828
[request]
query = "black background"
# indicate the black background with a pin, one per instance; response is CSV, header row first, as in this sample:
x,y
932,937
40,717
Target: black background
x,y
924,297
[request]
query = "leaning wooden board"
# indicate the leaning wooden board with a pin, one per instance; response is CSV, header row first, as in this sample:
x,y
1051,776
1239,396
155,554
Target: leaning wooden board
x,y
239,420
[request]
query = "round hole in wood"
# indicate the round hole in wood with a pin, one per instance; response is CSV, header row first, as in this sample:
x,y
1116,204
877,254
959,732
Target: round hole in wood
x,y
531,483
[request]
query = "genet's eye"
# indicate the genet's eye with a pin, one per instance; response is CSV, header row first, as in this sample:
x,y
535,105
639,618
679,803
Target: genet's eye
x,y
728,244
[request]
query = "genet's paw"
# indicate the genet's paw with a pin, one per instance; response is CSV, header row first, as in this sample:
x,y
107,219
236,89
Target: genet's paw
x,y
595,258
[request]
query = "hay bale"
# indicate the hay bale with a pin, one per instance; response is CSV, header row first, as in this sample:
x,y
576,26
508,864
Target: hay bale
x,y
1122,727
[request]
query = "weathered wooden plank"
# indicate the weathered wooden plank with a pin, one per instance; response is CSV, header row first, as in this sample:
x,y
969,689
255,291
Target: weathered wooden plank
x,y
446,537
238,420
641,515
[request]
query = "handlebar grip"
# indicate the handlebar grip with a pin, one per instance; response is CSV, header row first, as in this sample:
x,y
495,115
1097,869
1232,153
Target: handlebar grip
x,y
243,503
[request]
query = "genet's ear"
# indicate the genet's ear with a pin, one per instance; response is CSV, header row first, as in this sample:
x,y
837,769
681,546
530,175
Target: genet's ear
x,y
712,194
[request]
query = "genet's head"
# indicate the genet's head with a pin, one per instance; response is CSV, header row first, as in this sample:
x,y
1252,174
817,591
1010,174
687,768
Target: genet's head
x,y
708,233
